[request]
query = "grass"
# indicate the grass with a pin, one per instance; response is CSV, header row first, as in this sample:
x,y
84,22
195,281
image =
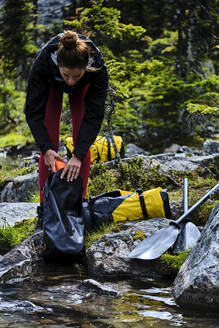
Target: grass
x,y
35,198
12,236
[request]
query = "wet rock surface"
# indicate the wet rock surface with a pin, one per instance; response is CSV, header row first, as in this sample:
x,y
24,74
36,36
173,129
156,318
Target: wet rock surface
x,y
95,286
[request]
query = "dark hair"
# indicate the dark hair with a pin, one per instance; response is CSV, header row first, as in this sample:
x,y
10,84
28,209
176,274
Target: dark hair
x,y
72,51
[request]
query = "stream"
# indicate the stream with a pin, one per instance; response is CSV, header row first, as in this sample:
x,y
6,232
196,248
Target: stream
x,y
52,298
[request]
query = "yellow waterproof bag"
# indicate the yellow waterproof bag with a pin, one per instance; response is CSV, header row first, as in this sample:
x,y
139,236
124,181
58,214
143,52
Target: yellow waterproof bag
x,y
102,149
121,206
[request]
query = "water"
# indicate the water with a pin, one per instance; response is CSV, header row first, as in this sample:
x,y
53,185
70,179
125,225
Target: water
x,y
10,162
52,299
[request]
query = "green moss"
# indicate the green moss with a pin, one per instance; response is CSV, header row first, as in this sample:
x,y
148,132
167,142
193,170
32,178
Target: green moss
x,y
13,139
139,234
12,236
175,261
101,180
107,243
91,237
132,175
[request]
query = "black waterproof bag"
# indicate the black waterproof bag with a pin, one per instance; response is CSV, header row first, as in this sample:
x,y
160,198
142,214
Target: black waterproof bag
x,y
63,228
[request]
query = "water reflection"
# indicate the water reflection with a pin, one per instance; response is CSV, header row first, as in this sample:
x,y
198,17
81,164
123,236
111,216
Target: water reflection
x,y
52,298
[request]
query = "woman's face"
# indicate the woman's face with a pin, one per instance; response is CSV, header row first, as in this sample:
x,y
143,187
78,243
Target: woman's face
x,y
71,75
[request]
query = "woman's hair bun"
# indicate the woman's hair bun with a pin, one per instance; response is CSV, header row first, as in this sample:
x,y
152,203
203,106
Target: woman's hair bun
x,y
69,40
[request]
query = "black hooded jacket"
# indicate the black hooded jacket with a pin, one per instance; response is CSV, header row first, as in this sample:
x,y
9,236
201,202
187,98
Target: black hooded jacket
x,y
45,74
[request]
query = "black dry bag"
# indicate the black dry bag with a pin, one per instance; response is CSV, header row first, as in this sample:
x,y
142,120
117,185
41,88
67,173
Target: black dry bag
x,y
63,231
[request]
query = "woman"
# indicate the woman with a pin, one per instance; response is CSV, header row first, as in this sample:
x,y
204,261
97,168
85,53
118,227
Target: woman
x,y
70,63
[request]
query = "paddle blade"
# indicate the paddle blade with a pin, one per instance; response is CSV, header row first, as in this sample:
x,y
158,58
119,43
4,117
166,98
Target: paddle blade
x,y
192,234
187,238
155,245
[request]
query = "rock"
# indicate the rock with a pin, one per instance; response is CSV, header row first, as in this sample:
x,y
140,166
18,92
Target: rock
x,y
10,213
109,255
197,283
169,162
211,147
133,150
30,161
20,188
177,149
95,286
18,264
174,148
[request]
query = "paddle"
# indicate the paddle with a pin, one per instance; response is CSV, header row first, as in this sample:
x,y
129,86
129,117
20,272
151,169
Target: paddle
x,y
159,242
189,233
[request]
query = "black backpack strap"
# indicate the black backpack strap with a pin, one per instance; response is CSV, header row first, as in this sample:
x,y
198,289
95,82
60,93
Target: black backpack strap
x,y
142,203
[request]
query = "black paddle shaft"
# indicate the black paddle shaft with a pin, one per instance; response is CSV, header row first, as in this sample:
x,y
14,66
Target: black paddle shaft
x,y
196,205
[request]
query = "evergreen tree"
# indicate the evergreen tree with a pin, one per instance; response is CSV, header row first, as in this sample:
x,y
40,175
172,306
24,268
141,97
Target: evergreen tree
x,y
16,34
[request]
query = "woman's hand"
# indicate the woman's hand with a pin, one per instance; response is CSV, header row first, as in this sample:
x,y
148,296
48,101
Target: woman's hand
x,y
73,167
50,158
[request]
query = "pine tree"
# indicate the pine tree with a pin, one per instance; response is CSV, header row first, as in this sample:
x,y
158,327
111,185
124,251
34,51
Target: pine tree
x,y
16,33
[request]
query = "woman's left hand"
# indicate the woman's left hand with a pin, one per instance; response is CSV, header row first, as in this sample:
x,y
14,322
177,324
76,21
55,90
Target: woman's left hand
x,y
73,167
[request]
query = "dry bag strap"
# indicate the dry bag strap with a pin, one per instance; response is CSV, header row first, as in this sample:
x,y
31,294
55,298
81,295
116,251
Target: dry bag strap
x,y
142,203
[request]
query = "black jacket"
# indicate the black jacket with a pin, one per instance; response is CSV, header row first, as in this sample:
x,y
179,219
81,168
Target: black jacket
x,y
45,74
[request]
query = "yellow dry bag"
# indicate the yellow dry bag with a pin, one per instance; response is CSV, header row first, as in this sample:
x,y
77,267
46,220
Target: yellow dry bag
x,y
102,149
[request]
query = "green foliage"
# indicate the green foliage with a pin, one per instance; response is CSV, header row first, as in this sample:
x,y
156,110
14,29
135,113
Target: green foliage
x,y
203,109
151,96
12,236
13,139
128,176
101,180
35,197
104,24
11,105
16,43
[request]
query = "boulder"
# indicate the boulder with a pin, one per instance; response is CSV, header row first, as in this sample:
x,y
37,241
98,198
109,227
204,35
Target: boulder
x,y
211,147
10,213
19,189
133,150
197,283
18,264
108,256
170,162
